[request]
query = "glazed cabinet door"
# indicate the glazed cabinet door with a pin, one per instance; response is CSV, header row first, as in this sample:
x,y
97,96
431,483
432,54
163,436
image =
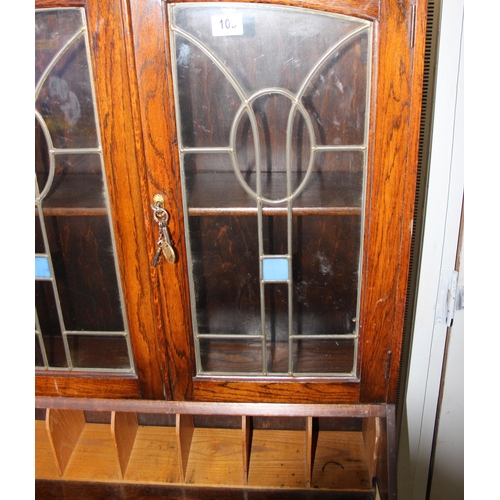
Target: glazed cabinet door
x,y
95,326
283,141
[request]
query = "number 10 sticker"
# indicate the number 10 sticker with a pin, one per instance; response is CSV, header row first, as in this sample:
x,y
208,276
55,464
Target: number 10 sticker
x,y
227,24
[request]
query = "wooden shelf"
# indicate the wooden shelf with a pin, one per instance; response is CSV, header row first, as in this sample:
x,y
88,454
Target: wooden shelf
x,y
330,193
283,457
76,195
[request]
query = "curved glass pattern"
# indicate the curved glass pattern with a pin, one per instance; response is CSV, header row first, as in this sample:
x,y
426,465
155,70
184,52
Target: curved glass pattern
x,y
272,112
80,322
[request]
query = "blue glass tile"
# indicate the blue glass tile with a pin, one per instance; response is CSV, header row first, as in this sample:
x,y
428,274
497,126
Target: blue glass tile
x,y
275,269
42,267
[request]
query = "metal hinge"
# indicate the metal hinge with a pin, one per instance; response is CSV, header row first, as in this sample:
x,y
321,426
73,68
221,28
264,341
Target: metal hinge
x,y
450,298
413,24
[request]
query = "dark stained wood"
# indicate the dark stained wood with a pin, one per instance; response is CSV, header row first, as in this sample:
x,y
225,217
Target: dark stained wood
x,y
88,386
130,57
125,176
387,456
108,39
391,179
69,490
47,4
368,9
156,102
130,50
408,207
207,408
391,182
269,391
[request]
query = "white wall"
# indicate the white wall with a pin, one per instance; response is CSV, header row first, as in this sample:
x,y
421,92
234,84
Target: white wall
x,y
439,251
447,470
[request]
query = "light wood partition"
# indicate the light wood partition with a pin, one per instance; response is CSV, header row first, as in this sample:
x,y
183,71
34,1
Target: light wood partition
x,y
64,428
124,431
309,453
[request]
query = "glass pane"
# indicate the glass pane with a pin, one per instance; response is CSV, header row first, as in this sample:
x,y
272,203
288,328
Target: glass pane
x,y
65,100
73,231
42,158
272,111
77,183
323,356
38,353
230,356
83,261
88,351
42,269
48,320
226,274
39,245
275,48
53,29
275,269
326,275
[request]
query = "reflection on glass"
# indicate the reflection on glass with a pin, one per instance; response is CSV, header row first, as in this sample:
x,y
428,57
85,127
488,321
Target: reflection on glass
x,y
80,315
272,119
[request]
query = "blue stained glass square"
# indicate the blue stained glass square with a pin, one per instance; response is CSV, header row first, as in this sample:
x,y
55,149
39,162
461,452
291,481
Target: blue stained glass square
x,y
42,269
275,269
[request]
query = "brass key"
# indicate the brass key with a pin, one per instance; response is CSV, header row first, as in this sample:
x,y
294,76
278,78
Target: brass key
x,y
168,252
165,245
159,251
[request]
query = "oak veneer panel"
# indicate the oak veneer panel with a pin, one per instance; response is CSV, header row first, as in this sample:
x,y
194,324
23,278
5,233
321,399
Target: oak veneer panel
x,y
215,458
123,430
184,425
310,450
278,459
154,457
64,428
246,441
371,438
94,457
125,175
125,180
267,391
156,103
340,462
86,386
390,196
368,9
45,464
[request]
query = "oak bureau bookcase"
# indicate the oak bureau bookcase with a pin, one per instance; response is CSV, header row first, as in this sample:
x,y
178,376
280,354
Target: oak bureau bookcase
x,y
223,204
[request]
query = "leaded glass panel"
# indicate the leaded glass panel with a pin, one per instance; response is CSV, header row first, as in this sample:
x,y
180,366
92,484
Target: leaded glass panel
x,y
272,109
80,321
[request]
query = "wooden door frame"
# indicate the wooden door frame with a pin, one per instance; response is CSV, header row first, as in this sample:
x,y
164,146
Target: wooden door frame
x,y
109,34
397,80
